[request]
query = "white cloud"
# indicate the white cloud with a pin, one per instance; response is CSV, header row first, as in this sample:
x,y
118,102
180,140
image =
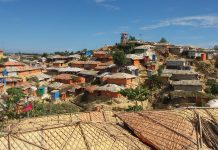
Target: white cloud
x,y
107,4
207,21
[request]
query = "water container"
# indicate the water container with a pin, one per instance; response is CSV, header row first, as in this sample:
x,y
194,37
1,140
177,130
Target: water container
x,y
55,95
203,57
153,57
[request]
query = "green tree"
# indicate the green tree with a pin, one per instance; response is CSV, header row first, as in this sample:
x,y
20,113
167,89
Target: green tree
x,y
214,89
35,57
15,95
154,82
45,55
83,58
119,58
163,40
132,38
66,53
216,47
138,94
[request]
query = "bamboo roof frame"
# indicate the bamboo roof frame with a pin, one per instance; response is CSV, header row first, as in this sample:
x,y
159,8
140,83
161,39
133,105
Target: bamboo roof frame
x,y
77,135
174,129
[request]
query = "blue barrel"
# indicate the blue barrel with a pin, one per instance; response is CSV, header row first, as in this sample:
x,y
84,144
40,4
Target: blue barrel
x,y
5,82
153,57
55,95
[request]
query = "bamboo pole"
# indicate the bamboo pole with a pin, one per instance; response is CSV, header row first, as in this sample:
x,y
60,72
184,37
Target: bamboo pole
x,y
200,130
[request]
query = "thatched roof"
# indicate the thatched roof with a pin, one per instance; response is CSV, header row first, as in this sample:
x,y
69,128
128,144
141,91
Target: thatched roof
x,y
175,129
38,122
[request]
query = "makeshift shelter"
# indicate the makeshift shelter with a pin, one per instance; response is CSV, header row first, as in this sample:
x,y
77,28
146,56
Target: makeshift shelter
x,y
40,77
109,90
123,79
191,128
69,70
180,64
187,97
134,59
59,63
187,85
132,70
89,75
85,64
74,57
70,134
64,78
59,86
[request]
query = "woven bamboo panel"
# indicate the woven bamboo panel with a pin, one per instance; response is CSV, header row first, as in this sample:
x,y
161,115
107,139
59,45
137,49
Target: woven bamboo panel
x,y
166,131
38,122
170,129
74,136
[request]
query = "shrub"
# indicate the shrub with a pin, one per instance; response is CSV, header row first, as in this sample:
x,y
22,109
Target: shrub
x,y
134,108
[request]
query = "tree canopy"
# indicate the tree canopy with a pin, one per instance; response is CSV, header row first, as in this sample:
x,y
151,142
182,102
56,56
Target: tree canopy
x,y
154,82
163,40
216,47
45,55
16,94
132,38
83,58
119,58
138,94
214,89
